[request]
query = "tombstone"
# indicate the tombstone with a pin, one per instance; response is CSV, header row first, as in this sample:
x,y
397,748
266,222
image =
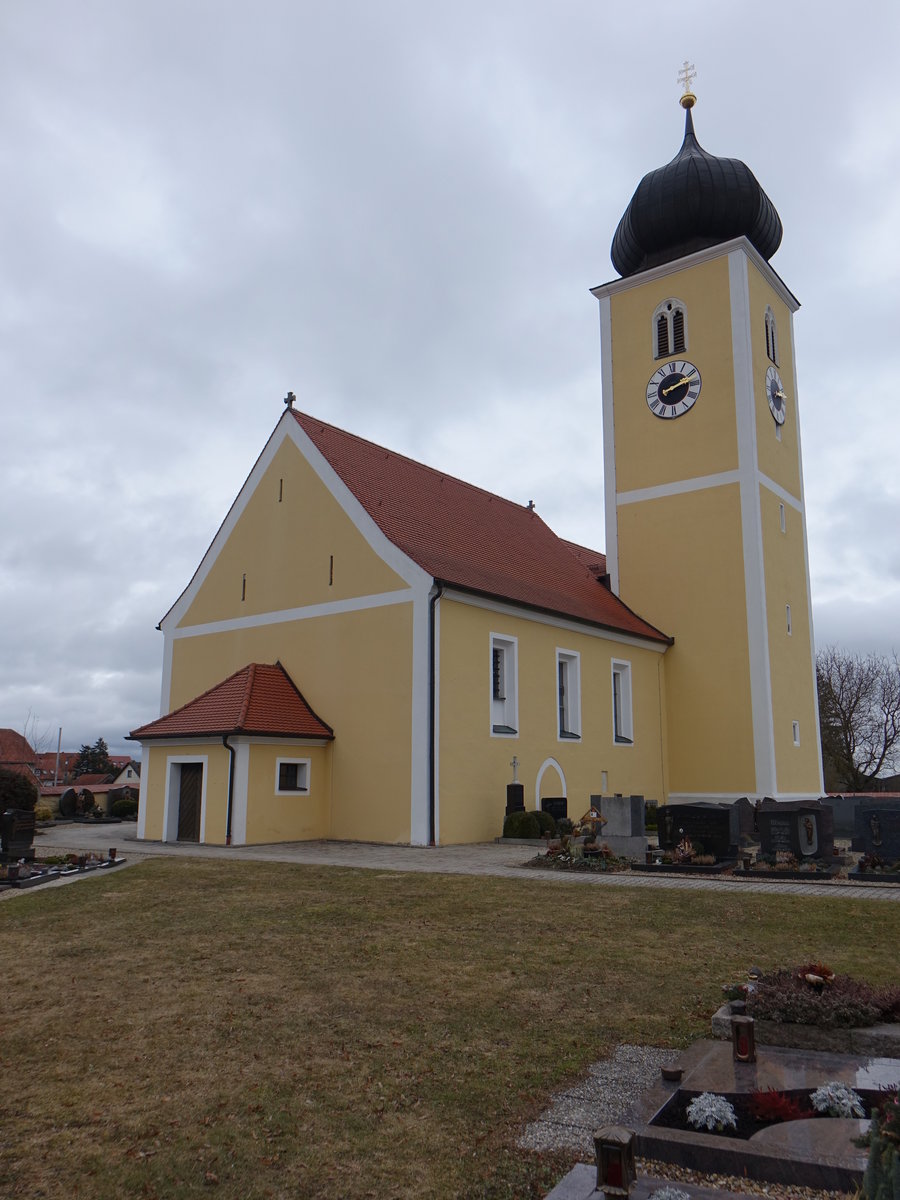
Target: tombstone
x,y
804,828
68,803
881,834
17,835
873,818
716,826
515,791
623,815
746,811
556,806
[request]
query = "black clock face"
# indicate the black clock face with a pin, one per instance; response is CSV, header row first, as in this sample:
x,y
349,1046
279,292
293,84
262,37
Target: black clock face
x,y
673,389
775,395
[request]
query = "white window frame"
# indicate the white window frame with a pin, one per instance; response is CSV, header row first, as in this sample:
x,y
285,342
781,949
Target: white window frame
x,y
504,707
795,730
568,695
667,308
771,337
782,519
790,624
622,712
303,772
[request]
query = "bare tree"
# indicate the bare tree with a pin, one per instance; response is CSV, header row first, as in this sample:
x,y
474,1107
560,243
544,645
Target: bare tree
x,y
859,715
37,735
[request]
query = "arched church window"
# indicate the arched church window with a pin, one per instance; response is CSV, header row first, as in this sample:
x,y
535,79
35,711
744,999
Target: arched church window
x,y
669,328
771,337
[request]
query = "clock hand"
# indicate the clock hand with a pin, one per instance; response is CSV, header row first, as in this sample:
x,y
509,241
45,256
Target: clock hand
x,y
671,388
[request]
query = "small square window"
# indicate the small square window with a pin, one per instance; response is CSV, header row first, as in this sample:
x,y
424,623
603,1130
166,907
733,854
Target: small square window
x,y
292,776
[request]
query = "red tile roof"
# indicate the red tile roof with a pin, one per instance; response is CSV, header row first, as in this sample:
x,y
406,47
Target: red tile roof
x,y
594,560
14,748
259,700
471,539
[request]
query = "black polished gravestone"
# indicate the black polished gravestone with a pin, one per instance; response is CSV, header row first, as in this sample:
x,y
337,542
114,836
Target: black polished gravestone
x,y
715,826
876,827
804,828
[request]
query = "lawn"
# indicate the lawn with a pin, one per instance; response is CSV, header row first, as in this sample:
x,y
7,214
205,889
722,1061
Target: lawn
x,y
266,1030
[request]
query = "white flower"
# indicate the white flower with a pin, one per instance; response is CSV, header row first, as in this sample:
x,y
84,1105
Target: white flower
x,y
837,1100
670,1193
710,1111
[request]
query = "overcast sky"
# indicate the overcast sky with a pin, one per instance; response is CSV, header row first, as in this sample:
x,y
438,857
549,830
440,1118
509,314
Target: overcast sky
x,y
395,209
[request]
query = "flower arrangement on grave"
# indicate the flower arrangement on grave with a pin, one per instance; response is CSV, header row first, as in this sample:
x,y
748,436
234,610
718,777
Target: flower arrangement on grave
x,y
881,1180
709,1111
816,974
771,1106
836,1099
669,1193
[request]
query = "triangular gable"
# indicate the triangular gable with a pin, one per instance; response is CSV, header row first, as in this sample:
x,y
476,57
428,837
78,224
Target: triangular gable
x,y
259,700
288,430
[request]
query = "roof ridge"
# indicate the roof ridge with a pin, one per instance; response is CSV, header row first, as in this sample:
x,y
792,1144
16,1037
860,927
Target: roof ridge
x,y
416,463
248,695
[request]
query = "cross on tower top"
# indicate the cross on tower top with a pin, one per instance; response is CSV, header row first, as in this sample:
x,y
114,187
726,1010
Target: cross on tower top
x,y
686,77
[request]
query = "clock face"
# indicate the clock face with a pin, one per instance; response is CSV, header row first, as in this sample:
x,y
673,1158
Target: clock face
x,y
673,388
775,395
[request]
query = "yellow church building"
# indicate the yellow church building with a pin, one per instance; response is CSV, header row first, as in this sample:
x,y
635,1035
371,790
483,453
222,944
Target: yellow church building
x,y
368,642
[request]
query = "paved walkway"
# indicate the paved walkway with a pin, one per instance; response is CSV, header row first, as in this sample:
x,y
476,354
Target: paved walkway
x,y
485,858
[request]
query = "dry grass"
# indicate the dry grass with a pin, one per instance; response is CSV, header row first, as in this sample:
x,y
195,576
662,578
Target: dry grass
x,y
262,1030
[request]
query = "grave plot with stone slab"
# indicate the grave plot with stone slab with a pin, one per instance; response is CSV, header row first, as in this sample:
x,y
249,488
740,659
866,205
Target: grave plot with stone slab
x,y
811,1151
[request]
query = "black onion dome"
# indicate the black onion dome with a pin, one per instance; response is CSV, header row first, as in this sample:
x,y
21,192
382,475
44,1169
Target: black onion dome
x,y
694,201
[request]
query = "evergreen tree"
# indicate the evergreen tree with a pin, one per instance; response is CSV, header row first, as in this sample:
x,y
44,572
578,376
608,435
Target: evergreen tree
x,y
94,760
16,790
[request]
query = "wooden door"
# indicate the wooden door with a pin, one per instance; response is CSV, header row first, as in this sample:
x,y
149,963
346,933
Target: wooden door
x,y
189,802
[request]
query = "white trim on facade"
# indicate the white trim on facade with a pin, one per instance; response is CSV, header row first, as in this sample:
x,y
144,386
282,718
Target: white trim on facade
x,y
173,794
678,487
542,769
570,625
609,444
303,787
418,767
603,290
305,613
436,762
142,799
240,796
693,797
751,526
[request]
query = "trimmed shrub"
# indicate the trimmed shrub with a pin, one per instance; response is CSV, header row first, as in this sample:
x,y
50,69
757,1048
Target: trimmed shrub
x,y
124,808
17,791
521,824
43,812
547,822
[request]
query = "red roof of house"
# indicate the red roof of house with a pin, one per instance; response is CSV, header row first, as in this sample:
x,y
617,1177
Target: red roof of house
x,y
14,749
259,700
471,539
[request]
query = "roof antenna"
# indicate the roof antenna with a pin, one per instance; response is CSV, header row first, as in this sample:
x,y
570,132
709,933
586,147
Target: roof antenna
x,y
289,400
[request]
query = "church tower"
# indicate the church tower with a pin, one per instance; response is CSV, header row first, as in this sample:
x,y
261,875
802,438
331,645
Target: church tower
x,y
705,519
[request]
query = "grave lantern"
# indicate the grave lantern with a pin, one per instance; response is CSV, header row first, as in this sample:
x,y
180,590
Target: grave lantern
x,y
615,1160
743,1039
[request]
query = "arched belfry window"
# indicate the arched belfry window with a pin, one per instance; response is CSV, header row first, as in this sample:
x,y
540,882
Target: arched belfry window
x,y
771,337
669,328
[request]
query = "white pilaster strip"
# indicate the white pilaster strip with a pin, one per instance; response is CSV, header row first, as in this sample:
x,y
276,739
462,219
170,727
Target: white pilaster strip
x,y
751,527
436,765
142,795
609,445
418,772
241,794
809,610
677,487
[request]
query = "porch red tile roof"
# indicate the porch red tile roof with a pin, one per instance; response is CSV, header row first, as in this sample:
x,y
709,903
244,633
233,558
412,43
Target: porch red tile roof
x,y
261,699
471,539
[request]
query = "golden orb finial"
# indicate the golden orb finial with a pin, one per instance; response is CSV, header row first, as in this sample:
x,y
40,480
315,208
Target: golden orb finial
x,y
686,77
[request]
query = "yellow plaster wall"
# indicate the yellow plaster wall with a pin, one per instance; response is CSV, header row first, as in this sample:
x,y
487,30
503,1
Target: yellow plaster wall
x,y
355,671
779,460
790,656
285,548
287,818
704,440
155,765
680,540
474,766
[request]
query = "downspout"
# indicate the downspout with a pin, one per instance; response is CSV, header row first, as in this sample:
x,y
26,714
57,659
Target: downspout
x,y
432,732
230,750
